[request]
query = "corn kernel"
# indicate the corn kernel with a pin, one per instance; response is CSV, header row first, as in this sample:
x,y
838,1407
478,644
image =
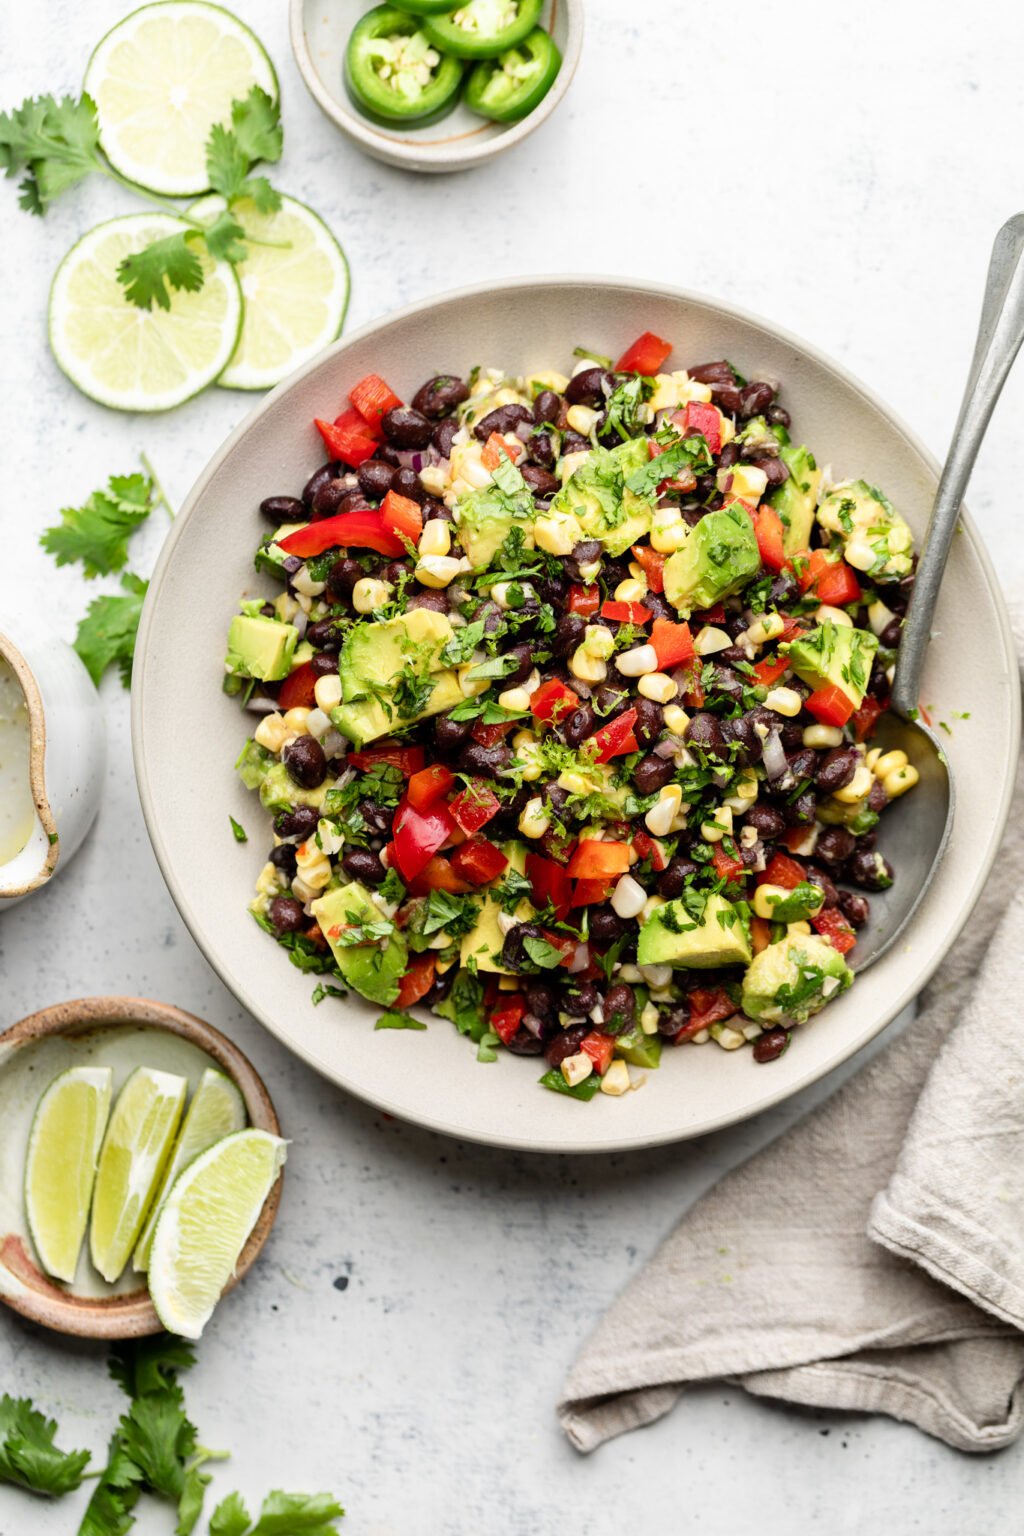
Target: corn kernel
x,y
571,462
303,583
296,720
657,686
720,824
327,692
651,906
572,783
546,379
590,572
500,591
635,663
589,669
748,837
631,591
799,930
879,616
888,763
436,538
668,533
784,701
826,614
822,736
744,482
534,819
628,897
701,1037
529,761
676,720
616,1080
871,758
710,639
271,732
598,642
767,898
900,780
514,699
729,1039
369,593
434,479
582,419
658,820
859,554
768,627
270,880
858,787
436,571
576,1068
285,605
557,533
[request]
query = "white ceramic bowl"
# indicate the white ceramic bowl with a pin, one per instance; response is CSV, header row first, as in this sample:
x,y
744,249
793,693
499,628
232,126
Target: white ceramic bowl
x,y
320,30
187,733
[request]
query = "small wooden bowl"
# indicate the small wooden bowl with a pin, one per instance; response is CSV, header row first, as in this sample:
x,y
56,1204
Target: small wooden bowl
x,y
129,1314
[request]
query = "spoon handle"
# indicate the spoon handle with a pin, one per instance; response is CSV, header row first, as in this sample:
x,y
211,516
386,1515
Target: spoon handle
x,y
1000,334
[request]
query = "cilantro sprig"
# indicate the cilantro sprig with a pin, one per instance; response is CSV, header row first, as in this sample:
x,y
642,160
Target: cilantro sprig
x,y
28,1456
97,532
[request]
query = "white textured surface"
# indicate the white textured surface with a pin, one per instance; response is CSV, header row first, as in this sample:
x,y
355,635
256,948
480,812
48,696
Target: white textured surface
x,y
841,171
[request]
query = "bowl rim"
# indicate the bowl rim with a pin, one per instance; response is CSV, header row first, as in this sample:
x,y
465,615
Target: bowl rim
x,y
26,680
379,1099
411,153
131,1314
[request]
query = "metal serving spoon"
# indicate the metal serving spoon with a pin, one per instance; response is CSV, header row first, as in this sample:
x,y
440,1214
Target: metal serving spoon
x,y
916,838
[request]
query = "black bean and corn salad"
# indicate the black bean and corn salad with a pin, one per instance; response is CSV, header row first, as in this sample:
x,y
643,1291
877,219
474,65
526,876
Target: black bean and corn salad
x,y
566,706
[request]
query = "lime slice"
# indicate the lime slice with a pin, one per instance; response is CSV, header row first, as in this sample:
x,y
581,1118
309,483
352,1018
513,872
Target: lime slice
x,y
295,298
204,1226
161,79
135,1152
60,1166
216,1110
139,359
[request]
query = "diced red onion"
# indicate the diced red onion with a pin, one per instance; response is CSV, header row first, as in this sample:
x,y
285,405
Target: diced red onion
x,y
669,746
300,621
580,960
534,1025
524,431
334,743
773,755
259,704
291,563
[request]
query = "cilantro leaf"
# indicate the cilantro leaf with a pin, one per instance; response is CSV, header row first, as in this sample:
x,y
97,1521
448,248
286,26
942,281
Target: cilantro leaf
x,y
97,532
55,140
240,834
230,1518
225,238
28,1456
542,953
109,1511
264,197
148,1365
107,633
283,1514
148,275
255,134
557,1083
256,120
227,164
394,1019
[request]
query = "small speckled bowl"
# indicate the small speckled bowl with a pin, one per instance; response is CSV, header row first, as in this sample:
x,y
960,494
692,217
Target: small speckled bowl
x,y
320,30
120,1032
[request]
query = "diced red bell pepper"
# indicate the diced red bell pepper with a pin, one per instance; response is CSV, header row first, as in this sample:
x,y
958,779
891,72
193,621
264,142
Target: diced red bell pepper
x,y
795,837
769,669
496,448
505,1021
784,871
348,438
478,861
595,860
832,925
709,1005
348,530
834,581
693,688
647,847
553,701
713,615
600,1048
792,628
625,613
428,786
829,705
760,934
703,418
615,738
296,692
402,517
646,355
418,835
864,719
438,875
584,600
563,942
550,883
417,980
490,735
372,397
589,893
408,759
726,867
474,806
768,529
653,564
673,643
684,480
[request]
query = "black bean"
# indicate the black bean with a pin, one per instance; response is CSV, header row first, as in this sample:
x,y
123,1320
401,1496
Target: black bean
x,y
776,471
817,876
523,656
504,418
755,398
286,914
770,1045
800,812
283,509
870,870
408,483
552,590
434,602
658,607
729,456
548,407
541,481
325,635
672,881
855,908
650,718
514,955
802,763
605,925
318,478
591,386
574,442
747,743
837,769
568,634
835,845
653,773
890,636
619,1009
541,999
393,572
582,723
485,761
556,844
330,497
440,395
766,821
673,1021
582,1000
406,428
877,797
324,663
583,553
363,864
451,734
727,682
304,759
522,1043
719,372
784,589
298,822
442,436
342,577
705,732
436,511
375,478
543,450
283,858
778,415
566,1043
609,699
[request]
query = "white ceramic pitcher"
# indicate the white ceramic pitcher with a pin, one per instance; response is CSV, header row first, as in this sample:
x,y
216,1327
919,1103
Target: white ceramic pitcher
x,y
64,764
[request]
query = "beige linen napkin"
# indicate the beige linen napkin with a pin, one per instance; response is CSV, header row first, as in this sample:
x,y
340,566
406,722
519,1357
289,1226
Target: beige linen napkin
x,y
873,1257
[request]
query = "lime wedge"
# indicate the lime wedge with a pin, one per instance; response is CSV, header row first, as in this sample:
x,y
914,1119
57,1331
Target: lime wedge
x,y
161,79
135,1151
295,298
217,1109
204,1226
139,359
60,1166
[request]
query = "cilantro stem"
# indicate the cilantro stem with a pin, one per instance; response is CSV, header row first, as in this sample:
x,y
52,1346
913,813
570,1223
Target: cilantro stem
x,y
161,494
106,169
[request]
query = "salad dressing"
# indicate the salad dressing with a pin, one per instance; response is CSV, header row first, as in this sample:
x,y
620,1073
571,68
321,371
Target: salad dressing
x,y
17,809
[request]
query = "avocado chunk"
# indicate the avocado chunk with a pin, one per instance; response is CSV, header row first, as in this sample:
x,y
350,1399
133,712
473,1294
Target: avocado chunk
x,y
876,539
260,647
392,674
597,496
279,791
270,557
375,965
835,655
254,763
792,979
487,516
796,498
482,945
719,556
671,936
638,1049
